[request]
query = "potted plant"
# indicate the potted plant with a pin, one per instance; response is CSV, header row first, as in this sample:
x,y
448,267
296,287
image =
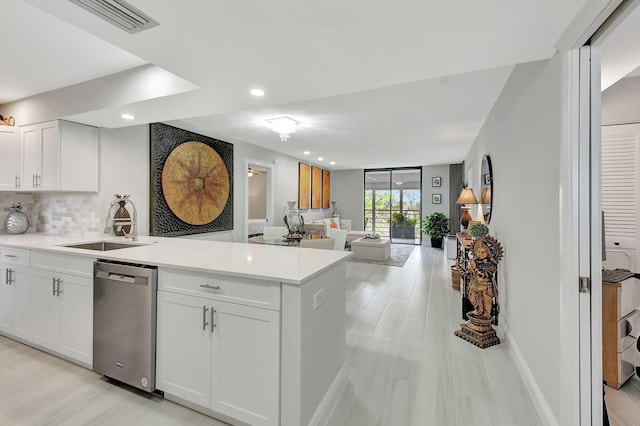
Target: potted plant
x,y
478,230
403,227
436,225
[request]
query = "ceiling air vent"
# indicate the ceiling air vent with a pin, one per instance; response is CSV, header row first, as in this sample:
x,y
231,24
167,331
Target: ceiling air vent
x,y
119,13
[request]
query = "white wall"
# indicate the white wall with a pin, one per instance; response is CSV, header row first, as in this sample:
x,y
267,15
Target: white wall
x,y
621,102
526,137
347,188
124,169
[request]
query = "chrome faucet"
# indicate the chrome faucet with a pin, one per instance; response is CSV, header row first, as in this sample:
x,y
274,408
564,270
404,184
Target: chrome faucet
x,y
120,223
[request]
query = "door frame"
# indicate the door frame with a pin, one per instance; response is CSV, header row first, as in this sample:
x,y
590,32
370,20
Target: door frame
x,y
269,198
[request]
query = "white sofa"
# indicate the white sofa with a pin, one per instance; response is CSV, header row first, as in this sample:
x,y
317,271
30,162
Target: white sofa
x,y
320,227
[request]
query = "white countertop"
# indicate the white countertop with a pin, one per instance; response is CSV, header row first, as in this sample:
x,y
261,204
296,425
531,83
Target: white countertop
x,y
273,263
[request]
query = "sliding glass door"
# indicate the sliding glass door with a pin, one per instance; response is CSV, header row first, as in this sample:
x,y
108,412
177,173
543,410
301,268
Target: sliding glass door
x,y
393,203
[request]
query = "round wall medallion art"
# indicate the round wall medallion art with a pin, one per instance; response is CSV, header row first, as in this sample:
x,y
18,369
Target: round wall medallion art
x,y
195,183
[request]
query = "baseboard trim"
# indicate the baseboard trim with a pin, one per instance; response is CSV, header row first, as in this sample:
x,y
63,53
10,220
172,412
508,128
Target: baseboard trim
x,y
330,398
539,401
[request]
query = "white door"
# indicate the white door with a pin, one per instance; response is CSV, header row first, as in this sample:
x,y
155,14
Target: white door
x,y
246,359
589,287
10,158
76,317
46,310
183,353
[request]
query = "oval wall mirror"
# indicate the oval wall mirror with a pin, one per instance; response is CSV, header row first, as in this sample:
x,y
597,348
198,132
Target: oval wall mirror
x,y
486,194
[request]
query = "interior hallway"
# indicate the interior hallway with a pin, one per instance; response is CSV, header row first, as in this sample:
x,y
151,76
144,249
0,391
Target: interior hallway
x,y
404,367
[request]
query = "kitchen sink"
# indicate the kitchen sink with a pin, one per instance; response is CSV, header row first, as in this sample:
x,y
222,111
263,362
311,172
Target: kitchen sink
x,y
103,245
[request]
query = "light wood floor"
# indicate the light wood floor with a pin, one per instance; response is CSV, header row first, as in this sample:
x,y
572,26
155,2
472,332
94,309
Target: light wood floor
x,y
623,404
404,366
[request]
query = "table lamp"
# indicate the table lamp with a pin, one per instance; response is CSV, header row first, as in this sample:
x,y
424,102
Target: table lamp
x,y
466,197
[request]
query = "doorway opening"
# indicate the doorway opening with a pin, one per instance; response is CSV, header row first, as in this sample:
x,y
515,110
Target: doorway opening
x,y
259,200
393,203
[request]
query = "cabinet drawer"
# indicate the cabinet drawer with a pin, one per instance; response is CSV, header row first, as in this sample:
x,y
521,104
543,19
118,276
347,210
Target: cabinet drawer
x,y
14,256
628,296
64,263
628,328
245,291
627,362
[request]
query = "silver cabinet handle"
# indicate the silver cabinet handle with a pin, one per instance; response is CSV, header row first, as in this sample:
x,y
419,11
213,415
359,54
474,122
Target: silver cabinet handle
x,y
6,276
17,181
53,282
204,318
212,287
213,324
33,180
58,291
37,180
10,277
10,255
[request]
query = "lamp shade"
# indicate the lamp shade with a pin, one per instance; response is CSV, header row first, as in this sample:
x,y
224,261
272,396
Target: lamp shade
x,y
485,197
466,197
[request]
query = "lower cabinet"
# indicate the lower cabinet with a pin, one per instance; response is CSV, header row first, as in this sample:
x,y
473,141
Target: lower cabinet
x,y
219,355
15,301
62,307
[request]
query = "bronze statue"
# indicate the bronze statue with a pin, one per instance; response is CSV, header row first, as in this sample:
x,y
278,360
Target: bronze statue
x,y
482,289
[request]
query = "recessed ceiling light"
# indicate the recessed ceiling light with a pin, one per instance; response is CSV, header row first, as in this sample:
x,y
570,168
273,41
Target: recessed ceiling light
x,y
257,92
332,163
306,153
320,158
128,116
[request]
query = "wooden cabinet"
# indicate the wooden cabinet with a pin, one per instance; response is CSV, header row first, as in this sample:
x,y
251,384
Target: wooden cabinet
x,y
222,356
619,302
10,158
62,305
59,155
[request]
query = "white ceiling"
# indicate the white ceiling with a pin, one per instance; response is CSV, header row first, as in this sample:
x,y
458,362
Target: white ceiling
x,y
375,84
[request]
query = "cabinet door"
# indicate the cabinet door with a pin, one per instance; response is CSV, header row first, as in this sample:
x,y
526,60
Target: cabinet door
x,y
10,158
76,317
46,310
183,354
7,301
31,156
246,363
49,178
23,326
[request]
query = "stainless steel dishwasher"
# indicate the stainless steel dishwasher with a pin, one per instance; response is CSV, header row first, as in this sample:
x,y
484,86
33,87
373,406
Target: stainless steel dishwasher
x,y
124,322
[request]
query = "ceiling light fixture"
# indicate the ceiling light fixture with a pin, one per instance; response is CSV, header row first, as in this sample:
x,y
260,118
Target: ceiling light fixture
x,y
306,152
284,126
128,116
320,158
332,163
257,92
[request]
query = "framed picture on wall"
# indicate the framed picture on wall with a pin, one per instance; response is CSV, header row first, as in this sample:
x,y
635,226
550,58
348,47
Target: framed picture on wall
x,y
436,198
435,181
316,187
304,186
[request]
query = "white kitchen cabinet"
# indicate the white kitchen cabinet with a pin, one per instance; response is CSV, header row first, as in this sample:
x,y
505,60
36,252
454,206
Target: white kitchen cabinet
x,y
59,156
63,314
219,355
10,158
15,292
15,297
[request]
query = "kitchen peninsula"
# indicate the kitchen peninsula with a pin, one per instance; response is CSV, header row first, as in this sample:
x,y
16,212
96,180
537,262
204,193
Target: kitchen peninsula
x,y
279,336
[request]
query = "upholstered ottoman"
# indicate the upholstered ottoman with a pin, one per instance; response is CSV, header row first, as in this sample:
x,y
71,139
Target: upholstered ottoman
x,y
378,250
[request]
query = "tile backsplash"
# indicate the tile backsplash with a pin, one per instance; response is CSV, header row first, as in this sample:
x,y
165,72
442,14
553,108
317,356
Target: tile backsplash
x,y
55,213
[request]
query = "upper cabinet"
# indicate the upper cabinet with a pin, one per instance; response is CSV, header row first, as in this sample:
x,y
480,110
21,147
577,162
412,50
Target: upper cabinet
x,y
59,156
9,158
